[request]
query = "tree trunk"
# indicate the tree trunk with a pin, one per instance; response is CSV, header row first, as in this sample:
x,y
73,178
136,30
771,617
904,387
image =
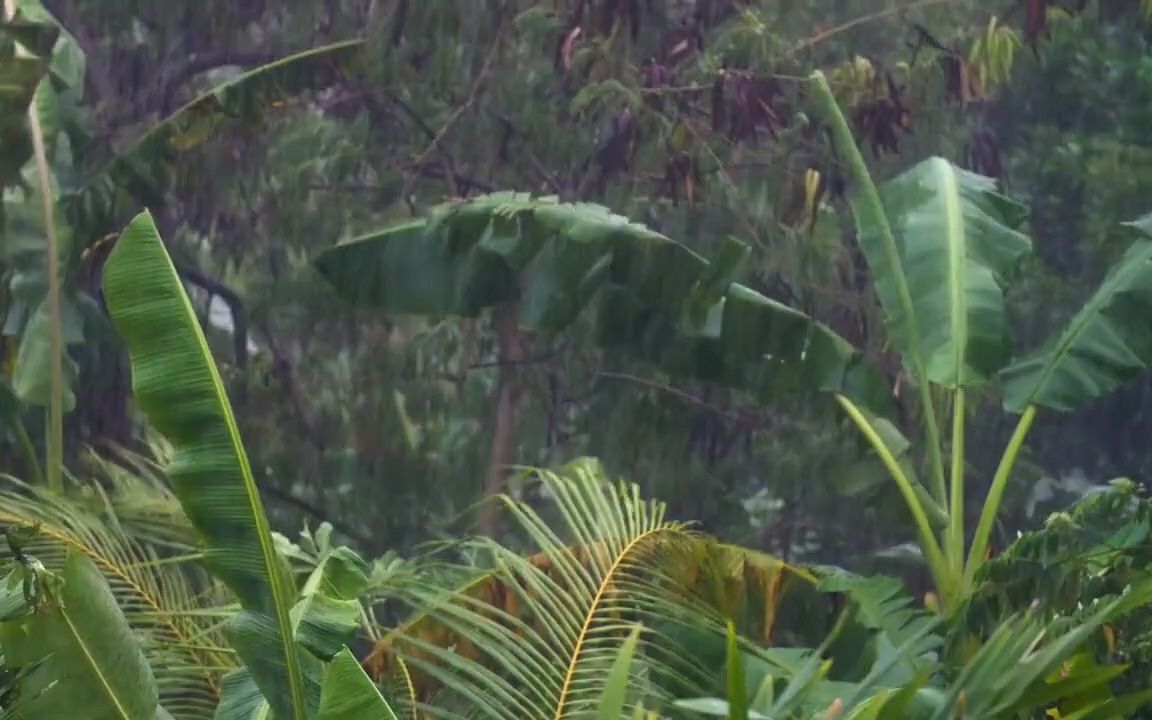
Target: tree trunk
x,y
510,348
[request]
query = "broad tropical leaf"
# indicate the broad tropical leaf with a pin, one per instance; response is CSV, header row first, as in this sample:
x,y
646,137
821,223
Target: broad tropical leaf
x,y
78,657
161,599
349,694
141,168
653,297
1106,344
547,648
958,245
178,386
324,620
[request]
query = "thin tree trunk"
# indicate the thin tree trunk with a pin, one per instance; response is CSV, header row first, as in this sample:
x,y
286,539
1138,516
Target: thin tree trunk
x,y
509,343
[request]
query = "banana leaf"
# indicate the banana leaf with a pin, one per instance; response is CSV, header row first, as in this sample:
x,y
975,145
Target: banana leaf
x,y
178,387
76,654
652,297
958,244
141,168
1107,343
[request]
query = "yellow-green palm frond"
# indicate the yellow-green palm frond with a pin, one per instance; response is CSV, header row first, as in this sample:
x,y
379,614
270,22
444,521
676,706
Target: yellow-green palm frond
x,y
166,598
536,636
134,488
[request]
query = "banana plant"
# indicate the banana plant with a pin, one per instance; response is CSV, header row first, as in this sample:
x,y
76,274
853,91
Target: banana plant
x,y
33,232
941,243
286,644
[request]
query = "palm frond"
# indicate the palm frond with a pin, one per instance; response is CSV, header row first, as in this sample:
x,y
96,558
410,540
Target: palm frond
x,y
164,596
537,636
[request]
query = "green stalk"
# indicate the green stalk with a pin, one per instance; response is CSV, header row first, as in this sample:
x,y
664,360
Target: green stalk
x,y
936,561
954,544
55,436
28,450
55,443
996,494
870,207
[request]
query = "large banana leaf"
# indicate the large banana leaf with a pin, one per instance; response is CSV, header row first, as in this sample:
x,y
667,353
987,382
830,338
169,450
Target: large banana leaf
x,y
958,244
178,386
1106,344
142,167
653,296
77,656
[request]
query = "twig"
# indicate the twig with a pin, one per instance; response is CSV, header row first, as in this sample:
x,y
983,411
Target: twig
x,y
676,392
862,20
459,112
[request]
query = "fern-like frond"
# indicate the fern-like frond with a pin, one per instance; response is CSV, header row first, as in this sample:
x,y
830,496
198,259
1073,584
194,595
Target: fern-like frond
x,y
541,641
162,592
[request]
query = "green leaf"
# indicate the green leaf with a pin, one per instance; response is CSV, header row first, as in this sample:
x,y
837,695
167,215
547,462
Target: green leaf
x,y
142,168
349,694
324,620
178,386
653,297
737,692
958,244
616,687
32,377
83,660
1106,344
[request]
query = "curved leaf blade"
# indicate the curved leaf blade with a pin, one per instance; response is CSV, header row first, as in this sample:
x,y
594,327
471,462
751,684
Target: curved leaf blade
x,y
84,660
958,244
653,297
178,386
1106,344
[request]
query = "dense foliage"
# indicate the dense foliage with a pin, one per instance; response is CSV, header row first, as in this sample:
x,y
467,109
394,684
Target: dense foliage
x,y
825,278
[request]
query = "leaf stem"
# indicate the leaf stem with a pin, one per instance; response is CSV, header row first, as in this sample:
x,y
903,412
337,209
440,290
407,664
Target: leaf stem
x,y
936,562
54,450
954,543
996,494
28,450
870,213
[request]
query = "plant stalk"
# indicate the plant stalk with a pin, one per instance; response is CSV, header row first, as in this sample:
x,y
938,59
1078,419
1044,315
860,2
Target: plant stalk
x,y
936,562
996,495
54,450
954,544
870,206
28,450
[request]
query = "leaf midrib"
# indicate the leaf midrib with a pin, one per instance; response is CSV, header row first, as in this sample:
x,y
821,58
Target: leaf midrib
x,y
574,660
957,265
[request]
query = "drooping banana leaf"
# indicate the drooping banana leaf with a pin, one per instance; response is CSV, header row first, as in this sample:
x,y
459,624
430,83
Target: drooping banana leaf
x,y
1106,344
958,244
79,658
349,694
178,386
653,297
141,167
